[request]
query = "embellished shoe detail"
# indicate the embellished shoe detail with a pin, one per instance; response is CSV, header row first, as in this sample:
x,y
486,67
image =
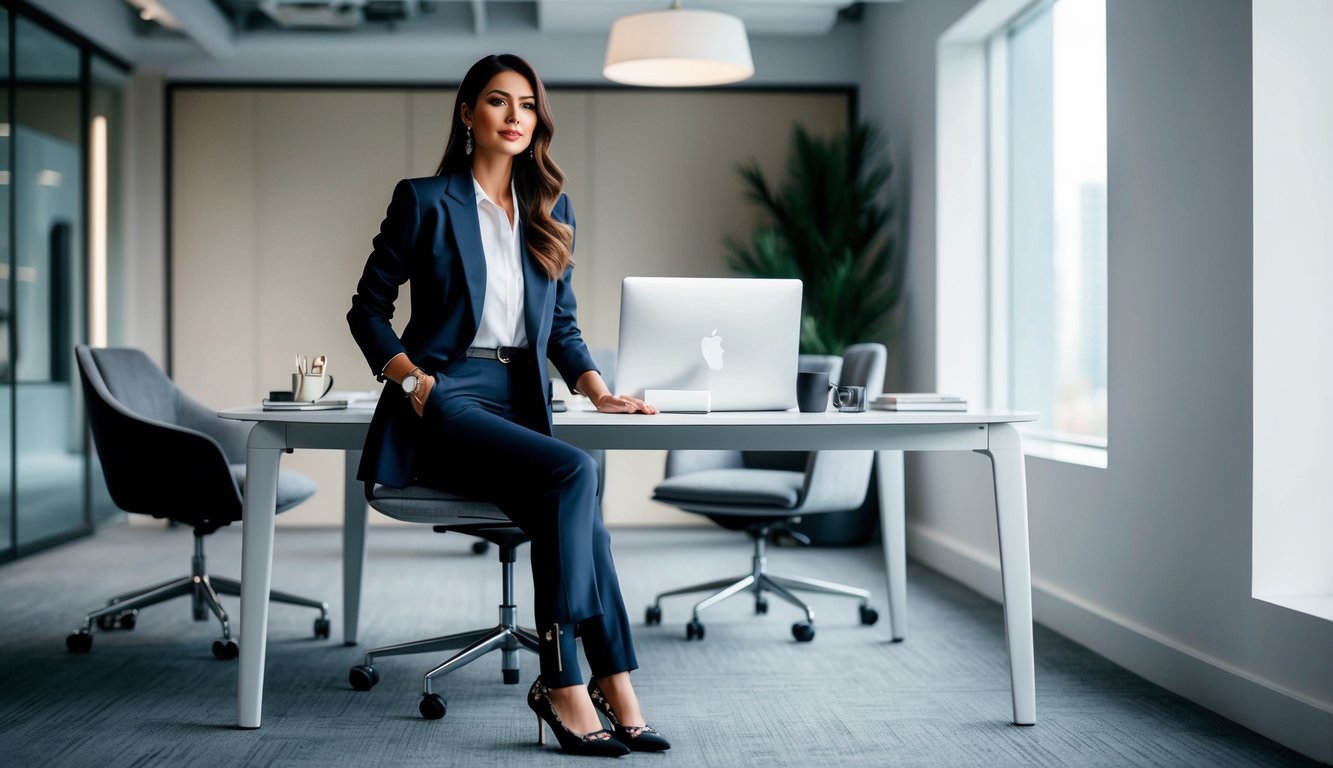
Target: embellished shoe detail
x,y
640,738
595,744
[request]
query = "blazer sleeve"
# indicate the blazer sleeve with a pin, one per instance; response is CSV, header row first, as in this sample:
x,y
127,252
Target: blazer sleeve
x,y
566,348
387,268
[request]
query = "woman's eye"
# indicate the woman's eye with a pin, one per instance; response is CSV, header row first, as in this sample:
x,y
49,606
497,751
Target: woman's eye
x,y
497,102
529,105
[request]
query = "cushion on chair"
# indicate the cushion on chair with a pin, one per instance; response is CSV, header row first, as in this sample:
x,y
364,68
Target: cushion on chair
x,y
419,504
758,487
293,487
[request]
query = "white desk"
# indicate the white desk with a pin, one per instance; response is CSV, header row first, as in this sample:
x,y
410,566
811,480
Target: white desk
x,y
990,434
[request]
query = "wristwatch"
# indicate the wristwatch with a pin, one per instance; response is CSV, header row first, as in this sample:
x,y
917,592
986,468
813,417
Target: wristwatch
x,y
411,381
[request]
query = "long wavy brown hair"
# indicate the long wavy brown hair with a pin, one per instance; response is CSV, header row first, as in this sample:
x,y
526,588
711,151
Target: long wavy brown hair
x,y
537,179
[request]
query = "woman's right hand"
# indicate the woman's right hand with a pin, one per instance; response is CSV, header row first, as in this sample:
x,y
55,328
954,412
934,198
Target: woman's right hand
x,y
422,394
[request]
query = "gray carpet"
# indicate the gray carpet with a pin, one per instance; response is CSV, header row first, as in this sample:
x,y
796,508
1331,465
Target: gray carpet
x,y
747,695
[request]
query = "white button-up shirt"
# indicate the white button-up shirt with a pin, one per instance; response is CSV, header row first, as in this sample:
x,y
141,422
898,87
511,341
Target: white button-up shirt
x,y
502,311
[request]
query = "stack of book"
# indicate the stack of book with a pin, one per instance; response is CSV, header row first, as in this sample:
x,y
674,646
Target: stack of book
x,y
918,401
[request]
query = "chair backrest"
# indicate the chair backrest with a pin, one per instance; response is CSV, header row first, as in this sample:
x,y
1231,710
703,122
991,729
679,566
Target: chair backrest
x,y
152,464
863,365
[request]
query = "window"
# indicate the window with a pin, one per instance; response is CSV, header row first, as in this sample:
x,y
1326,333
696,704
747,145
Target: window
x,y
1047,346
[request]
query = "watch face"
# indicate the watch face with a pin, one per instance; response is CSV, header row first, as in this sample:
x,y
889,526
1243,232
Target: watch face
x,y
409,384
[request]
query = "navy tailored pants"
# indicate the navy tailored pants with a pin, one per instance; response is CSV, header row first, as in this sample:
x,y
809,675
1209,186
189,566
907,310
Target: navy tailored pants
x,y
480,438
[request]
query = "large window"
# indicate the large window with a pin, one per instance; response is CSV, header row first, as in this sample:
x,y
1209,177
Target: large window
x,y
1047,190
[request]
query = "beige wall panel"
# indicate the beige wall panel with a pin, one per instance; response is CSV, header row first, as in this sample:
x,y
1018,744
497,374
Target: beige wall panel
x,y
213,245
326,164
429,128
298,181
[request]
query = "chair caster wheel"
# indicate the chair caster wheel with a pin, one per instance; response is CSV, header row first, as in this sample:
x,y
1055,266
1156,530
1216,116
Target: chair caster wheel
x,y
322,626
79,642
432,706
362,677
510,676
653,615
869,615
694,630
760,606
803,631
480,547
226,650
107,622
128,620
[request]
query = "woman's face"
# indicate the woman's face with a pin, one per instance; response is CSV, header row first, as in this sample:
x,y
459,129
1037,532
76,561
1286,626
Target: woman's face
x,y
504,116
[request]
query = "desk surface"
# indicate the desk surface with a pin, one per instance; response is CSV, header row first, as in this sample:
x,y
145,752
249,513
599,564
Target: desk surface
x,y
581,415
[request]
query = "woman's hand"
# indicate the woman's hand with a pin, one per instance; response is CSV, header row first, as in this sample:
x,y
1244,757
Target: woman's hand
x,y
422,394
610,403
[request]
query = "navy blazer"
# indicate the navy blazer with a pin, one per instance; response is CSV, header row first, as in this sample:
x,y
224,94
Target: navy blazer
x,y
431,238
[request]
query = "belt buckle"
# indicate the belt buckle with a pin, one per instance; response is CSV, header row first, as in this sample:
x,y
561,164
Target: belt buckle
x,y
500,355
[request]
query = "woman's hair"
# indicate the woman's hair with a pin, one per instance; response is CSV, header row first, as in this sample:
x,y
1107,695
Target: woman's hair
x,y
537,179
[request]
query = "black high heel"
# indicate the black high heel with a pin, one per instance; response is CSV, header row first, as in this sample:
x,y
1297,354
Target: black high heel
x,y
640,738
539,699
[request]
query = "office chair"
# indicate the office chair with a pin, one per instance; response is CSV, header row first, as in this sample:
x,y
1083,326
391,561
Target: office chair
x,y
450,512
763,493
167,455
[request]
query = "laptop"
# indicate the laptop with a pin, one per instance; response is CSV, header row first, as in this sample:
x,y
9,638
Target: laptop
x,y
736,338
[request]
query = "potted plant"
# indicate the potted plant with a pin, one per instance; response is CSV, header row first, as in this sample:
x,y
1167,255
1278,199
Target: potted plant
x,y
827,222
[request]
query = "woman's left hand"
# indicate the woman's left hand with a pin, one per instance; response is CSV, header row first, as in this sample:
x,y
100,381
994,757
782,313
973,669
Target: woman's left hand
x,y
623,404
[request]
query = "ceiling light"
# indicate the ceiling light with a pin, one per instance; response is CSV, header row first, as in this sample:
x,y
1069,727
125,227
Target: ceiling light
x,y
677,48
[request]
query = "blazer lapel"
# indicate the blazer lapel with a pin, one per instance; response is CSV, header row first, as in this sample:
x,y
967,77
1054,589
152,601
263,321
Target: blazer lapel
x,y
461,201
536,289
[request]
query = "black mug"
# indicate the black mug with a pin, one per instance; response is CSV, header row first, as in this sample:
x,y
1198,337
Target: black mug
x,y
812,388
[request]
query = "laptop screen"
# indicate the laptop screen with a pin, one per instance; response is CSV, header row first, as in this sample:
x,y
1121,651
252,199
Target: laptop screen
x,y
736,338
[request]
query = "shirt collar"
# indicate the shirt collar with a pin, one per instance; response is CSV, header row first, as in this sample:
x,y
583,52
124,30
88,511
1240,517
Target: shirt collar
x,y
481,193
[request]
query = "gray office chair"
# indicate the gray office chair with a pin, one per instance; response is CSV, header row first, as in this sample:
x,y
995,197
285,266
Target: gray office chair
x,y
451,512
167,455
763,493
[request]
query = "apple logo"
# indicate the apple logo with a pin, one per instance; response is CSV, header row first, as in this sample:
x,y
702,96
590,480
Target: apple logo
x,y
711,346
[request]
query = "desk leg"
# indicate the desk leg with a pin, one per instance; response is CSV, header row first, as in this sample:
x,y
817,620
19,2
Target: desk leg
x,y
892,524
1011,511
355,521
259,510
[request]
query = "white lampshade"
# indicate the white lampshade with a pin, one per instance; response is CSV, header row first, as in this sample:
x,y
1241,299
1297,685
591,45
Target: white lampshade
x,y
677,48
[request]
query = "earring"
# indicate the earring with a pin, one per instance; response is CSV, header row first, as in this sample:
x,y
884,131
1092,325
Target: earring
x,y
530,155
467,149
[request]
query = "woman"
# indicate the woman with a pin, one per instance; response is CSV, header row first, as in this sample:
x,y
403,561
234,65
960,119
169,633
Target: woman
x,y
485,245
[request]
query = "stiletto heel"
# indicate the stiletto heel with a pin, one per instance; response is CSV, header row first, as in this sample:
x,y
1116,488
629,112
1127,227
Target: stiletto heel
x,y
541,732
591,744
640,738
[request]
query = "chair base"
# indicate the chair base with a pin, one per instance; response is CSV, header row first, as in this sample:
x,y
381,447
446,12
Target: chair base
x,y
506,637
759,581
121,611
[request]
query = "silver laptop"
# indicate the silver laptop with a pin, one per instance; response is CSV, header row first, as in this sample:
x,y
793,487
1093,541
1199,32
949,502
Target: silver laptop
x,y
737,338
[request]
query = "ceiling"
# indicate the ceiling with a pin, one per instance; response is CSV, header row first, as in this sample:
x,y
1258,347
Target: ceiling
x,y
243,20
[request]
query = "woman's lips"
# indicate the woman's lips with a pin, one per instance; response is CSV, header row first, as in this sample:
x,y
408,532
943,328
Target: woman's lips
x,y
511,135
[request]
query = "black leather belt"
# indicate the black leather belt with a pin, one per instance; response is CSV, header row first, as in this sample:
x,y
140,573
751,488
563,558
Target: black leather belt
x,y
502,354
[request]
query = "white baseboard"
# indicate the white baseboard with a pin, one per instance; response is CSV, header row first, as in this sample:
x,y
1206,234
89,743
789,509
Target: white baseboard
x,y
1286,716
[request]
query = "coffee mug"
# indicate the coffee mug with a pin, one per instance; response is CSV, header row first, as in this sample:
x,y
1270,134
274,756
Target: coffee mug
x,y
309,387
812,388
850,399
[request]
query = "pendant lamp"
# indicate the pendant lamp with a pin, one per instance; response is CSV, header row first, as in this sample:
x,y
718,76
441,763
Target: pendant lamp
x,y
678,48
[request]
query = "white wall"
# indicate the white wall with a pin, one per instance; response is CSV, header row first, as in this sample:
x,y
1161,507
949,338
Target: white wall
x,y
1148,561
1293,280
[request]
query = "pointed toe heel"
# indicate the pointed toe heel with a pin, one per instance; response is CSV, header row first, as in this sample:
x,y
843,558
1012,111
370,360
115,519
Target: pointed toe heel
x,y
596,744
639,738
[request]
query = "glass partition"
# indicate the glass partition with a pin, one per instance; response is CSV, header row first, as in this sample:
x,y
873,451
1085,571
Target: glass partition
x,y
48,284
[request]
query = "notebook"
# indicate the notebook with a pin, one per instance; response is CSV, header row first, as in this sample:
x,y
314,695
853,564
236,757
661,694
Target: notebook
x,y
736,338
